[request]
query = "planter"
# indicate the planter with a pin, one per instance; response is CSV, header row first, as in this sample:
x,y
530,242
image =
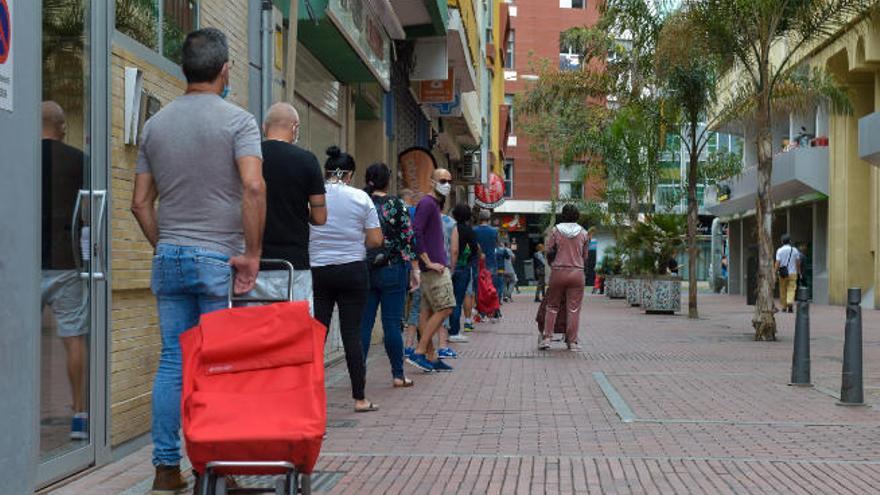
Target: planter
x,y
634,291
661,294
615,287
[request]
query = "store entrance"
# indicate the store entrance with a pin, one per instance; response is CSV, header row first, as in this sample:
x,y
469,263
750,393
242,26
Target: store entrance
x,y
73,269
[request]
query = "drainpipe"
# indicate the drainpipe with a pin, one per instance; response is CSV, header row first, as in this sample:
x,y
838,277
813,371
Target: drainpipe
x,y
267,30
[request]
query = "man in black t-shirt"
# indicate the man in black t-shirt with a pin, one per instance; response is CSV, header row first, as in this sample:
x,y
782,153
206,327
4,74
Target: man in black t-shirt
x,y
294,199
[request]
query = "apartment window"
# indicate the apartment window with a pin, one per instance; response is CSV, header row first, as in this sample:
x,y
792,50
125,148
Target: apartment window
x,y
509,51
508,178
160,25
572,4
571,182
508,100
569,59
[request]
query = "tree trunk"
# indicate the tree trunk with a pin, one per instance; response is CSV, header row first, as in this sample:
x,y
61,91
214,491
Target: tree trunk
x,y
692,220
764,320
633,207
554,189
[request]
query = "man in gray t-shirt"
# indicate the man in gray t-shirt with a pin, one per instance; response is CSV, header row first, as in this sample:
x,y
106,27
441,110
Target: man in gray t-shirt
x,y
200,157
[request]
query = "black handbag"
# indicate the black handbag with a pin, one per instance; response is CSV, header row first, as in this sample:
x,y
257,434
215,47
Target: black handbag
x,y
379,257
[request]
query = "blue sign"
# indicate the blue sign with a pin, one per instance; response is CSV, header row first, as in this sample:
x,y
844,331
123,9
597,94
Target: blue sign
x,y
5,31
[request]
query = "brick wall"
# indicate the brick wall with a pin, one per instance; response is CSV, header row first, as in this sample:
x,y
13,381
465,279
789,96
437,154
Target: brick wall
x,y
135,342
537,26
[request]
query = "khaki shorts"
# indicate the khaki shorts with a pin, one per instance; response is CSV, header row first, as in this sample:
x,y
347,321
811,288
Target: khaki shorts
x,y
437,293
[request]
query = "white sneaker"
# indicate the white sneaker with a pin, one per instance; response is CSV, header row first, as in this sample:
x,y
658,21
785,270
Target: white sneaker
x,y
459,339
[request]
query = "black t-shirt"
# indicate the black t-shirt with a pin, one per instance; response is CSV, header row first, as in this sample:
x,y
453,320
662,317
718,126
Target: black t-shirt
x,y
292,174
467,237
63,175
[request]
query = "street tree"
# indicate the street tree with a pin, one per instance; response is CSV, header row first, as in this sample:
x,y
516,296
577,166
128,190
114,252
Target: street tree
x,y
760,44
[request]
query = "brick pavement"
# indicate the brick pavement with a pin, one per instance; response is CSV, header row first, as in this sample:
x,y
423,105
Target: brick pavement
x,y
698,408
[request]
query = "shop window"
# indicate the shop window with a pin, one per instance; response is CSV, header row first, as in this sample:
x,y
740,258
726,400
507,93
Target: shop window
x,y
160,25
508,178
510,50
572,4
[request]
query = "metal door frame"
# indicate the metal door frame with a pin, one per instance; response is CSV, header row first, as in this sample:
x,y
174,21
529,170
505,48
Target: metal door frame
x,y
98,451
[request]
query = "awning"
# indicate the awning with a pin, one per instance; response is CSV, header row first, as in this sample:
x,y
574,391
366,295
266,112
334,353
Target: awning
x,y
799,172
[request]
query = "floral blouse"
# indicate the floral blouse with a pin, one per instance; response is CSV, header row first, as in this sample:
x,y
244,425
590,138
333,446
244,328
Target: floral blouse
x,y
400,240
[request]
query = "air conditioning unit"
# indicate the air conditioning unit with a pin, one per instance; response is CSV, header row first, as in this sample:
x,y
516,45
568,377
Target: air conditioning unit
x,y
469,169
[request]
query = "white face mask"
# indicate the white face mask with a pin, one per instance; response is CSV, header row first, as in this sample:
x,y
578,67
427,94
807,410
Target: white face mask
x,y
443,189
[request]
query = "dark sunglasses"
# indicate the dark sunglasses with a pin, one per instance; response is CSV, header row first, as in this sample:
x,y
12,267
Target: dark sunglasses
x,y
443,181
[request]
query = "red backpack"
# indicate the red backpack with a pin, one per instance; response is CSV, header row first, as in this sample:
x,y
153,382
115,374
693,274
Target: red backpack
x,y
487,296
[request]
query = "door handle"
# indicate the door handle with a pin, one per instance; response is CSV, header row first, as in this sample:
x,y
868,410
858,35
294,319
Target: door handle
x,y
99,252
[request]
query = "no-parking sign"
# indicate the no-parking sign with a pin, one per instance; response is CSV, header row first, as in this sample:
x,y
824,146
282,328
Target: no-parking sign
x,y
6,55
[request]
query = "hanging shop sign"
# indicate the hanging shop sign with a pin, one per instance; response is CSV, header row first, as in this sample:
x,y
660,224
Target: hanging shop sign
x,y
6,59
449,109
438,91
364,32
417,165
491,194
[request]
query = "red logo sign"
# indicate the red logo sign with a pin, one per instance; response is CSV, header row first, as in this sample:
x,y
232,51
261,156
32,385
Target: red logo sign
x,y
490,195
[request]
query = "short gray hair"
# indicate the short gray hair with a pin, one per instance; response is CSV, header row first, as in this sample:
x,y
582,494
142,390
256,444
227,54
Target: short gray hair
x,y
204,53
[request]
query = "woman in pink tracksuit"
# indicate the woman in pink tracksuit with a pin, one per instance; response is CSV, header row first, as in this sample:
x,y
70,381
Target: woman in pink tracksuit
x,y
570,242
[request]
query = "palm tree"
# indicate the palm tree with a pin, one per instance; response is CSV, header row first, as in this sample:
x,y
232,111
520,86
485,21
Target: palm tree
x,y
760,43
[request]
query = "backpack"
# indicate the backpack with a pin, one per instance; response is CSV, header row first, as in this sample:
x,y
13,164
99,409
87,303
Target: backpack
x,y
380,257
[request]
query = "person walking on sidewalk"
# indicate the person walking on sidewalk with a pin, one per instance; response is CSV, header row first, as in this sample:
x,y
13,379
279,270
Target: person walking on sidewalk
x,y
438,298
465,252
200,157
540,271
509,275
570,242
487,237
390,276
338,253
787,267
294,199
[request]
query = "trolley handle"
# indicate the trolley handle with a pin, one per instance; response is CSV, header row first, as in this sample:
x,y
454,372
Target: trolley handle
x,y
283,264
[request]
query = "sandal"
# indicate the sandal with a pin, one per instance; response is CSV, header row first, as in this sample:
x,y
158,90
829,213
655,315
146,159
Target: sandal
x,y
370,408
403,382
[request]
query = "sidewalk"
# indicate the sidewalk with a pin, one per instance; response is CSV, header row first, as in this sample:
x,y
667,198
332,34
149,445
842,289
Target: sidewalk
x,y
655,404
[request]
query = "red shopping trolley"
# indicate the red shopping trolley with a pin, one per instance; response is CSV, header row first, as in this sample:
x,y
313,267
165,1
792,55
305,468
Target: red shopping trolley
x,y
253,400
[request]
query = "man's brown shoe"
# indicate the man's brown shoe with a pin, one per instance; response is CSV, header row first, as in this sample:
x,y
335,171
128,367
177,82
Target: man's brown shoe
x,y
168,481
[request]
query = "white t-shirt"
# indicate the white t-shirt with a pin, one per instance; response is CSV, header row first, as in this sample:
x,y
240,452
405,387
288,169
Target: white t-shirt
x,y
789,254
341,240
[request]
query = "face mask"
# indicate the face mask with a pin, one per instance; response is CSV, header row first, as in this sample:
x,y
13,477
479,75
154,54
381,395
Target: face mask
x,y
443,189
226,91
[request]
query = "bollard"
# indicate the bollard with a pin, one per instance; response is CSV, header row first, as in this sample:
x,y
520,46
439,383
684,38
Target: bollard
x,y
851,391
800,358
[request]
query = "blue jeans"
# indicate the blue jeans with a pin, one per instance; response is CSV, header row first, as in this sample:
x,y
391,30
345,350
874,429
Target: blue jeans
x,y
498,282
188,282
462,278
388,286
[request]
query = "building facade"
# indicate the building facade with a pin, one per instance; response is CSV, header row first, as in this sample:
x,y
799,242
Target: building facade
x,y
99,69
825,182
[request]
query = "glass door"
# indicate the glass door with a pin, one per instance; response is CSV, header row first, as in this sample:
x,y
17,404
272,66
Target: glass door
x,y
74,210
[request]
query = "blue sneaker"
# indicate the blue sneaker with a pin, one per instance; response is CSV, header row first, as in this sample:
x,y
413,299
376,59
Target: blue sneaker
x,y
407,351
447,353
441,367
420,361
79,426
468,327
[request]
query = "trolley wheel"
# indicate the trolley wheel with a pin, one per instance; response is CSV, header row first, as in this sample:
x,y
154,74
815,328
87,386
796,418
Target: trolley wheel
x,y
305,484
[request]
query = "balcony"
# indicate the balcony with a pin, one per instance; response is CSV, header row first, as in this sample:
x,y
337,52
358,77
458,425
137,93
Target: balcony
x,y
799,172
869,138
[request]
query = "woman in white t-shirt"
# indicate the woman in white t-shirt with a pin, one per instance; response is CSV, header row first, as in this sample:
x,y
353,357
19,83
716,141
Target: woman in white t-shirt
x,y
337,254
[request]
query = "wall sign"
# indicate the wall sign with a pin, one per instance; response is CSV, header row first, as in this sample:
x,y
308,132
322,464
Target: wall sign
x,y
438,91
6,58
491,195
417,166
364,32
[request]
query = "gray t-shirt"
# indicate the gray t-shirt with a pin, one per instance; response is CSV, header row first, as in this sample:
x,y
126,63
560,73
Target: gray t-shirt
x,y
190,147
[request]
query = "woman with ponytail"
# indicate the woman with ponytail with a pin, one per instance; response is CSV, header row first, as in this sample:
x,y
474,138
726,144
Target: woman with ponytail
x,y
390,275
337,253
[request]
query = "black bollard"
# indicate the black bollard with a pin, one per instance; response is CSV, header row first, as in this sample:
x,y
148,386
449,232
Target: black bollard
x,y
800,358
851,391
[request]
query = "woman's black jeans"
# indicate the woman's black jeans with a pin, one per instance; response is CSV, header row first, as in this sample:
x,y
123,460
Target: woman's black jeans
x,y
344,286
